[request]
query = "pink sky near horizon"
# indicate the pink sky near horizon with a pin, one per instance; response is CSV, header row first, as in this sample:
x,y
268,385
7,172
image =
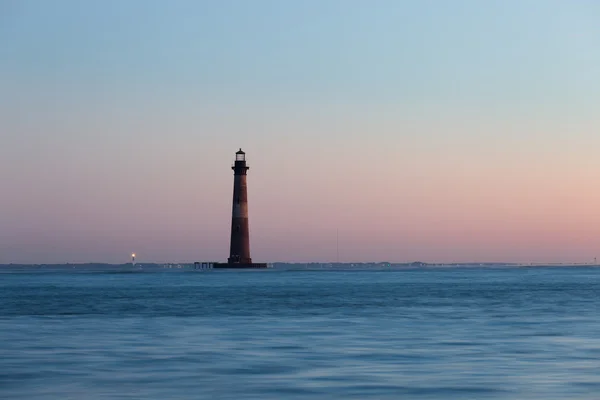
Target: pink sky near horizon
x,y
433,196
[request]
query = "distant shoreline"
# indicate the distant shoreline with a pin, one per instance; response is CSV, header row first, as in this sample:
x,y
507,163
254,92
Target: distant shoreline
x,y
311,265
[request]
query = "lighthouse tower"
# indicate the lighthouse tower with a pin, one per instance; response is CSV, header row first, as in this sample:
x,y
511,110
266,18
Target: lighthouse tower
x,y
239,250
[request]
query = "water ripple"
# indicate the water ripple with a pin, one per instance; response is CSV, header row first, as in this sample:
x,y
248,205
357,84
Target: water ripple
x,y
436,334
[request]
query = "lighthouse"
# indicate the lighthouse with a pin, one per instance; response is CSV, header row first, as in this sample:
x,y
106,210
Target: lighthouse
x,y
239,245
239,248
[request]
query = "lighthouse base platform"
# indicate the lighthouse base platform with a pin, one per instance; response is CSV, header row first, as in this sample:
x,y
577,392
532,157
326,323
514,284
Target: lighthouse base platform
x,y
218,265
240,265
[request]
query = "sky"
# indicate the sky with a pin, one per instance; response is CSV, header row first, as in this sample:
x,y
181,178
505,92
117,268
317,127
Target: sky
x,y
387,130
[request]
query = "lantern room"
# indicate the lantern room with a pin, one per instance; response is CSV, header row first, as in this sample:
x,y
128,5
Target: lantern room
x,y
240,155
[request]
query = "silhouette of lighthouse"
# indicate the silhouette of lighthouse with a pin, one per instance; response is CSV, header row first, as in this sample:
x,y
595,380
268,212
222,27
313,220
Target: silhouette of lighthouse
x,y
239,249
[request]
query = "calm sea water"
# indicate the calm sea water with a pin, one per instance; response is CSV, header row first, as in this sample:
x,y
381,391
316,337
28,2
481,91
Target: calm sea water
x,y
446,333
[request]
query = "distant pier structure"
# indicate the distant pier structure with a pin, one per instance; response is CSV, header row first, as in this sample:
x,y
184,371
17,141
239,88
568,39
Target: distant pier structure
x,y
239,246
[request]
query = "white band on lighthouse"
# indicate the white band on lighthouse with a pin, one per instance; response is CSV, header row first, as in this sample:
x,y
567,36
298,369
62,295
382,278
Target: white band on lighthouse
x,y
240,203
240,210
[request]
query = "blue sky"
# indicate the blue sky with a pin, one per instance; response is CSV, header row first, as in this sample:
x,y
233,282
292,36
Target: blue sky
x,y
273,51
119,120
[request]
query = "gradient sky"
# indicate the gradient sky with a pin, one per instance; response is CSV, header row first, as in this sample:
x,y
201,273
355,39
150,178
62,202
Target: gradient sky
x,y
441,131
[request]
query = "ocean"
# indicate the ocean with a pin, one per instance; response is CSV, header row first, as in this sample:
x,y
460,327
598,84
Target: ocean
x,y
388,333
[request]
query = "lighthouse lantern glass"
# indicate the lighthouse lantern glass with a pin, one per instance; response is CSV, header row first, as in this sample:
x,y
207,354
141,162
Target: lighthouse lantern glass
x,y
240,157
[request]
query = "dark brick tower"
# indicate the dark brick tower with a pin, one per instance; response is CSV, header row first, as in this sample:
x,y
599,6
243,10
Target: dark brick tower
x,y
239,250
